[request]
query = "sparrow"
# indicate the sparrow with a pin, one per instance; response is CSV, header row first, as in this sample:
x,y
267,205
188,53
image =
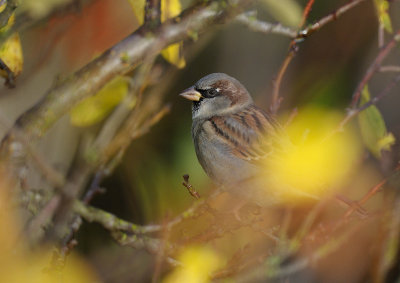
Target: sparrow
x,y
233,138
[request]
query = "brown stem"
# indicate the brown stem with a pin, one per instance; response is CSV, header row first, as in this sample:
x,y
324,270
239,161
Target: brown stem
x,y
376,64
152,13
329,18
276,100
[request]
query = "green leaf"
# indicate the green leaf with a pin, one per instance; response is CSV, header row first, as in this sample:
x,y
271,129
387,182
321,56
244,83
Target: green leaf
x,y
288,12
95,108
382,7
373,127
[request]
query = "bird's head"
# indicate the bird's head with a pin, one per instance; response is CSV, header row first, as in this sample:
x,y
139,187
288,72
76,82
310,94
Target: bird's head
x,y
216,94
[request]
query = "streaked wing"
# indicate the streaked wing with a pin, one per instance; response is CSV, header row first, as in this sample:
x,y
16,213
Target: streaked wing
x,y
251,133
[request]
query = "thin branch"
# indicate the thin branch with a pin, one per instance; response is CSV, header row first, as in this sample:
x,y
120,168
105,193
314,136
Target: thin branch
x,y
375,189
276,100
389,69
249,20
374,68
381,36
301,35
306,12
120,59
272,270
329,18
107,220
111,222
354,112
192,191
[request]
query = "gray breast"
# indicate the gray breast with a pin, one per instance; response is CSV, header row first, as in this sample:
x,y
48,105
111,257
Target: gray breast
x,y
216,158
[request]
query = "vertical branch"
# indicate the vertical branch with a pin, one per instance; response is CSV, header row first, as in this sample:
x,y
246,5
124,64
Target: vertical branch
x,y
376,64
306,12
276,100
152,12
275,103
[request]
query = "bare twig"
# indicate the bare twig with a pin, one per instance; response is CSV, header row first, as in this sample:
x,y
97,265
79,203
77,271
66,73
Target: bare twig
x,y
329,18
152,13
375,189
249,19
389,69
381,36
276,100
354,112
306,12
192,191
374,68
271,269
120,59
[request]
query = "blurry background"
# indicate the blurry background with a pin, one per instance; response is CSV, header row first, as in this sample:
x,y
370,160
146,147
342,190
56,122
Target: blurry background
x,y
146,186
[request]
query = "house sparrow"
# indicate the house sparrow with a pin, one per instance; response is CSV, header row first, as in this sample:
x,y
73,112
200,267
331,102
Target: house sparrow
x,y
233,138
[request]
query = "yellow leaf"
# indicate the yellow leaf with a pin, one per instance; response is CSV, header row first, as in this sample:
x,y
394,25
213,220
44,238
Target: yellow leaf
x,y
11,55
198,262
173,54
316,163
95,108
382,7
20,263
373,127
11,50
169,9
288,12
138,9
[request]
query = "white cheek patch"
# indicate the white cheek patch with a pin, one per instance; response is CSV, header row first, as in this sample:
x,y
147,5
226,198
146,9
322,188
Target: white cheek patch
x,y
203,111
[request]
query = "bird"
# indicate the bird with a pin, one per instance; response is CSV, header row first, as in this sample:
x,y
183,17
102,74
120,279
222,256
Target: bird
x,y
233,138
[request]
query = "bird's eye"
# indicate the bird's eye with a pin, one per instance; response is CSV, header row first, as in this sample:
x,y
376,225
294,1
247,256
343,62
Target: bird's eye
x,y
209,93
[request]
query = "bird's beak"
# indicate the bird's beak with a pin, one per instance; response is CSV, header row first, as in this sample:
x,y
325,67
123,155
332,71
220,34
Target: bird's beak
x,y
191,94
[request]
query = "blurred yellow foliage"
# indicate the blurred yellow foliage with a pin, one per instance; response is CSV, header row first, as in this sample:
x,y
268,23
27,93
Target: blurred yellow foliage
x,y
319,161
288,12
18,264
95,108
197,265
173,54
169,9
40,8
